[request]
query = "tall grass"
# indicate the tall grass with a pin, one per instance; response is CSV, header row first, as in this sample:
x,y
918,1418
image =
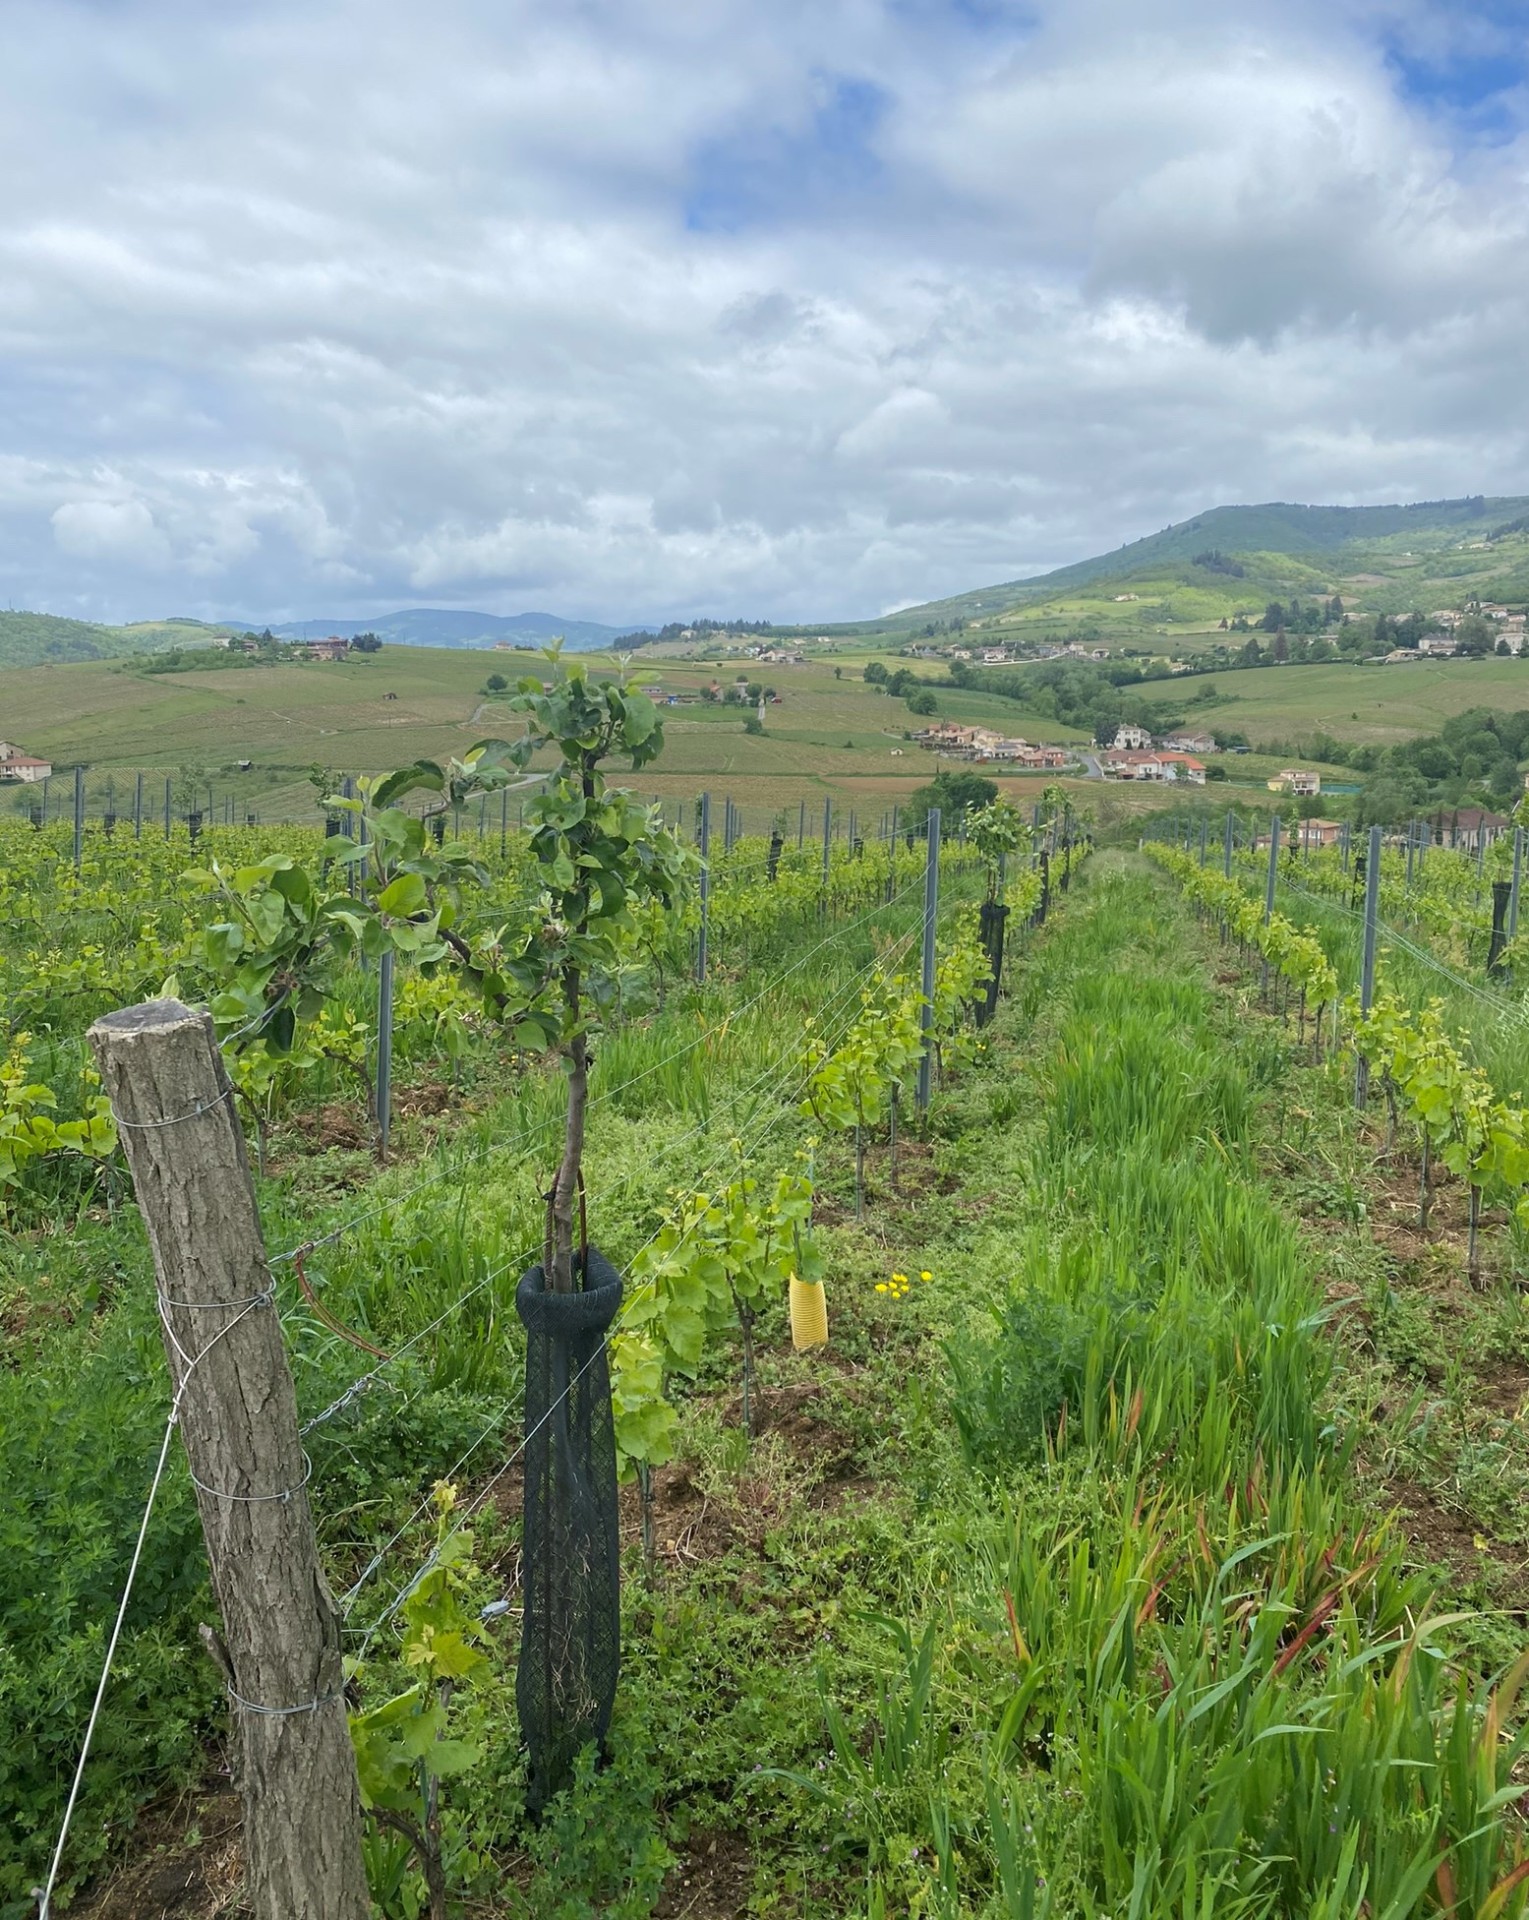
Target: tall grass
x,y
1195,1676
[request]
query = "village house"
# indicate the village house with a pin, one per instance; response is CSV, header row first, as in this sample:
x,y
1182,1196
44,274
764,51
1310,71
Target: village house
x,y
1398,656
1153,766
1129,738
1191,743
1468,828
332,647
16,765
946,737
1440,645
1298,781
1130,766
1310,834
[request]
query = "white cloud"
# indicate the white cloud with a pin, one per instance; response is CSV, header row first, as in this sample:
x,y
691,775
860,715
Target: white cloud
x,y
655,308
117,531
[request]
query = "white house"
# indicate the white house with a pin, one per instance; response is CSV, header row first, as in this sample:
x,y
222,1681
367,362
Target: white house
x,y
1131,739
21,766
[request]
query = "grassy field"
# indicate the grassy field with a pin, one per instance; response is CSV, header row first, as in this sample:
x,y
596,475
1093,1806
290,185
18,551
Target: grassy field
x,y
833,737
1364,704
1151,1550
830,736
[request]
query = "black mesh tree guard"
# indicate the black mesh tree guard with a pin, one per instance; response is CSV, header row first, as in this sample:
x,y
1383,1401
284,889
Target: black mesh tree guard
x,y
992,921
570,1648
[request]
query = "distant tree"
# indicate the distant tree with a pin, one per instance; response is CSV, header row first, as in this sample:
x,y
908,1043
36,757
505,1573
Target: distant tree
x,y
1281,648
1335,611
838,673
923,702
876,673
1274,617
1503,648
1407,631
366,643
756,693
496,683
1251,655
1475,634
710,693
752,723
955,794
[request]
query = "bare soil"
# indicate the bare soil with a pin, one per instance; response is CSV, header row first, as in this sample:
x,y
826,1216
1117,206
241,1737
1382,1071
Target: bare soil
x,y
184,1861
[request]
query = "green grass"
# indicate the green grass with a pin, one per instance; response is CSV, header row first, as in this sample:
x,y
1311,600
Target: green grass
x,y
1065,1585
834,736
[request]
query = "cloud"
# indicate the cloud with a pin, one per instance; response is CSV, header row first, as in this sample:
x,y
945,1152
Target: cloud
x,y
116,531
661,308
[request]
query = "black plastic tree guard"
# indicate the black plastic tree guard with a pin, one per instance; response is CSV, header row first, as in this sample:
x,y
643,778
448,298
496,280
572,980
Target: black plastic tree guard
x,y
570,1648
993,920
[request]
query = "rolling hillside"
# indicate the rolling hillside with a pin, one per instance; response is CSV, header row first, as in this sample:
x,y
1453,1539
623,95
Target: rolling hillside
x,y
45,639
1385,559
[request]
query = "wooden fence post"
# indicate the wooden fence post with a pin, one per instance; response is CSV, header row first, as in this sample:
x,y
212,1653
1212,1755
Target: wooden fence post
x,y
280,1646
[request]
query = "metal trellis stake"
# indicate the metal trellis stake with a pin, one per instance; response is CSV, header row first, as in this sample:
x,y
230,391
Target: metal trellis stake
x,y
79,815
1269,885
931,911
700,953
384,1052
1367,963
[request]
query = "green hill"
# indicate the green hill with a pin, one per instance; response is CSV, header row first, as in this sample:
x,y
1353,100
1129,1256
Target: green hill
x,y
1382,559
44,639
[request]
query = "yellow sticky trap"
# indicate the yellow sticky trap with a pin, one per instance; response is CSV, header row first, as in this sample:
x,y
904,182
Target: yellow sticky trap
x,y
809,1314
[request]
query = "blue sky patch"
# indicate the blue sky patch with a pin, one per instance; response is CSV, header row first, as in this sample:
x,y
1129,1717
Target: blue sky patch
x,y
762,174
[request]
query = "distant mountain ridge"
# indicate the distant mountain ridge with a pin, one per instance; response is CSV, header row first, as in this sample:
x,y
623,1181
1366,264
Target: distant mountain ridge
x,y
450,627
1429,554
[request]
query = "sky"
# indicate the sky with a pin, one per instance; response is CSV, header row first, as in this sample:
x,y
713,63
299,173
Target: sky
x,y
803,309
